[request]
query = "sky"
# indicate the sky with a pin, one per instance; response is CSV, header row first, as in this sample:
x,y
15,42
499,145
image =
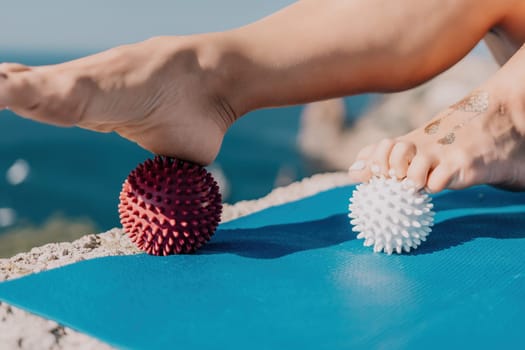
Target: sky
x,y
72,25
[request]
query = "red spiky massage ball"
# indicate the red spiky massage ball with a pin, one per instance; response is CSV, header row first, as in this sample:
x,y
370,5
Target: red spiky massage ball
x,y
169,206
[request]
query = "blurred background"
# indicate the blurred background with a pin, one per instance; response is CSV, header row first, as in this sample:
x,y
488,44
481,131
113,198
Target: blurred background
x,y
61,183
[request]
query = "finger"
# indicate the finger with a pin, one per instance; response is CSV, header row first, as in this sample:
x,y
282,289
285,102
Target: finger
x,y
418,170
401,156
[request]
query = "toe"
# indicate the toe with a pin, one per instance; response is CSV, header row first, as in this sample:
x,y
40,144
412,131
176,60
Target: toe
x,y
6,68
400,157
440,178
359,171
418,170
18,89
42,95
7,73
379,160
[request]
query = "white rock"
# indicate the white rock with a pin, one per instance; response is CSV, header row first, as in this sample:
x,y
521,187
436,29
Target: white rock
x,y
7,217
18,172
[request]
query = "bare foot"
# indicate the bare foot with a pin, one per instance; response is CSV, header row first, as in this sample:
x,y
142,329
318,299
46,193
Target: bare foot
x,y
161,93
479,140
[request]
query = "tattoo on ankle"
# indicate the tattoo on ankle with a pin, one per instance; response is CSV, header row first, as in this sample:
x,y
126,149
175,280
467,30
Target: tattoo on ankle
x,y
448,139
477,102
433,127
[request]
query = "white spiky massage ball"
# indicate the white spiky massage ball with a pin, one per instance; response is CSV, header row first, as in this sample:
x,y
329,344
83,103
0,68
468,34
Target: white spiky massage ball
x,y
391,214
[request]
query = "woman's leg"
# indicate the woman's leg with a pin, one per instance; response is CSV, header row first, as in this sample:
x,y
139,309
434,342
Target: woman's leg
x,y
178,95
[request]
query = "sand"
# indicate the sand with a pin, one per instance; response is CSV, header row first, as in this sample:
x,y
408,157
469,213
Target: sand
x,y
22,330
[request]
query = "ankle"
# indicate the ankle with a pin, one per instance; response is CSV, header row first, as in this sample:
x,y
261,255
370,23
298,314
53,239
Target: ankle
x,y
228,70
217,61
219,70
204,62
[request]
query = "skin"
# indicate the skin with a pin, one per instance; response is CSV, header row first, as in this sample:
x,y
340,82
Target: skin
x,y
488,146
177,96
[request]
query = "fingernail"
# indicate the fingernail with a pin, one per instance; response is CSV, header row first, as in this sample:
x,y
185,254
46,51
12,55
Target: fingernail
x,y
359,165
375,169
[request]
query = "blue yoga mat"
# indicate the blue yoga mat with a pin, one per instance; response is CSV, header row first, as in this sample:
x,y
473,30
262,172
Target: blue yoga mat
x,y
294,277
